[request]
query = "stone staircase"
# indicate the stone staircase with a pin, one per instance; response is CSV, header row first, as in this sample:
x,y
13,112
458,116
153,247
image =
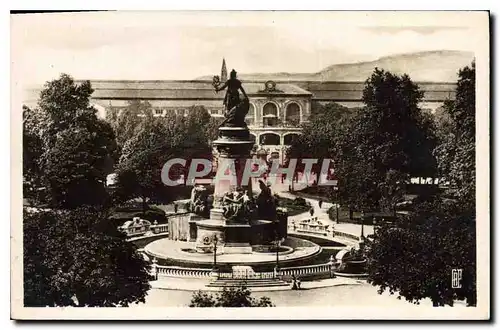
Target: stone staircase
x,y
249,283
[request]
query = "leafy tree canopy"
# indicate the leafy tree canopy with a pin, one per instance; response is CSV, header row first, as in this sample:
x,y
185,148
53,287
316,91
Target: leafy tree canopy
x,y
78,258
416,258
67,146
158,139
229,297
456,153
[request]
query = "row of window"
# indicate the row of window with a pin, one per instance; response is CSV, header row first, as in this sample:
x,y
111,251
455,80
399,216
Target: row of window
x,y
270,113
179,112
275,139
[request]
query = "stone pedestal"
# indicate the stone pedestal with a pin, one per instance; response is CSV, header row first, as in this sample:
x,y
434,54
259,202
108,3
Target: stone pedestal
x,y
234,235
234,146
193,219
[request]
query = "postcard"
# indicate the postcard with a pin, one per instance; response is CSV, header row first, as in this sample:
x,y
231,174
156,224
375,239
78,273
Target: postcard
x,y
180,165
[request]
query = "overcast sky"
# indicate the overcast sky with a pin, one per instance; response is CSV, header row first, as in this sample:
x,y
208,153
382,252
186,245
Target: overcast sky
x,y
180,45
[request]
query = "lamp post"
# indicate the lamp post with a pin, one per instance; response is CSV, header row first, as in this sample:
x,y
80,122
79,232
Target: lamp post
x,y
277,253
362,237
215,241
277,242
362,224
337,205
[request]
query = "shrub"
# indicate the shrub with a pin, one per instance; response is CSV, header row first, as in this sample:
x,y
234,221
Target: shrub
x,y
229,297
299,201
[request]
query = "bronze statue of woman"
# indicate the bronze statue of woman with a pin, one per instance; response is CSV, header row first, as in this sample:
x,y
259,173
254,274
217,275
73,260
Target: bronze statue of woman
x,y
235,108
233,86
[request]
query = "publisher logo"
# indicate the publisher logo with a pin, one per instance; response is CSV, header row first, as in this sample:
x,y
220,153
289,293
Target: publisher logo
x,y
456,278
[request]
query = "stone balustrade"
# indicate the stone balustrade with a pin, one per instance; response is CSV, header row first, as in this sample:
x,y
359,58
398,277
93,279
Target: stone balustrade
x,y
157,229
310,225
346,235
181,272
200,273
250,276
321,269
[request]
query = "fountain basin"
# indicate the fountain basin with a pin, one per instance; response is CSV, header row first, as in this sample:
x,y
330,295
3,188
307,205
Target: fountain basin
x,y
182,253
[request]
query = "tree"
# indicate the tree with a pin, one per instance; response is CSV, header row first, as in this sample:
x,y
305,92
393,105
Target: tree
x,y
213,128
392,190
392,125
141,162
74,147
416,258
32,152
319,134
157,140
78,258
386,142
232,297
73,255
456,151
76,166
125,122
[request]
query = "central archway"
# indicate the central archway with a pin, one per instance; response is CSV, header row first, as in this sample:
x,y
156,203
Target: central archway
x,y
270,114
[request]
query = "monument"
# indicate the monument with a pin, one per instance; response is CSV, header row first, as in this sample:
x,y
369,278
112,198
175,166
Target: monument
x,y
237,220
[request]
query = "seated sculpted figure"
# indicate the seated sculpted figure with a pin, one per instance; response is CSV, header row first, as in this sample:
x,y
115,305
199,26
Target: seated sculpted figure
x,y
266,204
199,201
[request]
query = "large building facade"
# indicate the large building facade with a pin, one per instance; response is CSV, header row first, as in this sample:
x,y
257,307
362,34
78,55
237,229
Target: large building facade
x,y
277,108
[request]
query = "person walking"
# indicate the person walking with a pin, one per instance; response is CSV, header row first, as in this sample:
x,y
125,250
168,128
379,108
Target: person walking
x,y
311,211
298,283
320,203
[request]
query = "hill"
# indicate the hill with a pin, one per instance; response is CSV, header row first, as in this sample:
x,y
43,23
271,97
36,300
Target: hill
x,y
436,66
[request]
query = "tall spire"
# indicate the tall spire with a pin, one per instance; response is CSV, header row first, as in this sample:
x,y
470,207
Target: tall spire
x,y
223,71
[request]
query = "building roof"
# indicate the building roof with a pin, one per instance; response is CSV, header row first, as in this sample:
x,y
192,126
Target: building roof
x,y
186,90
181,90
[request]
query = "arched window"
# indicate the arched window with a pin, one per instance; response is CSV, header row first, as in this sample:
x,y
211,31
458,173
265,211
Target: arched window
x,y
290,138
269,139
270,114
292,114
250,117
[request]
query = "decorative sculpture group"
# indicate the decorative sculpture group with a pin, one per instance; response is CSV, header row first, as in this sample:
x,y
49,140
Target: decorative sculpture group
x,y
238,205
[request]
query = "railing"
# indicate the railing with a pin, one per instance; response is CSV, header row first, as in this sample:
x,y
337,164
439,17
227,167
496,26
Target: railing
x,y
157,229
307,270
310,225
181,272
172,271
246,276
345,235
136,231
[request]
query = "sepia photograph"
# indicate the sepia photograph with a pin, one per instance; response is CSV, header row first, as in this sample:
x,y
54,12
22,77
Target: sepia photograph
x,y
306,164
